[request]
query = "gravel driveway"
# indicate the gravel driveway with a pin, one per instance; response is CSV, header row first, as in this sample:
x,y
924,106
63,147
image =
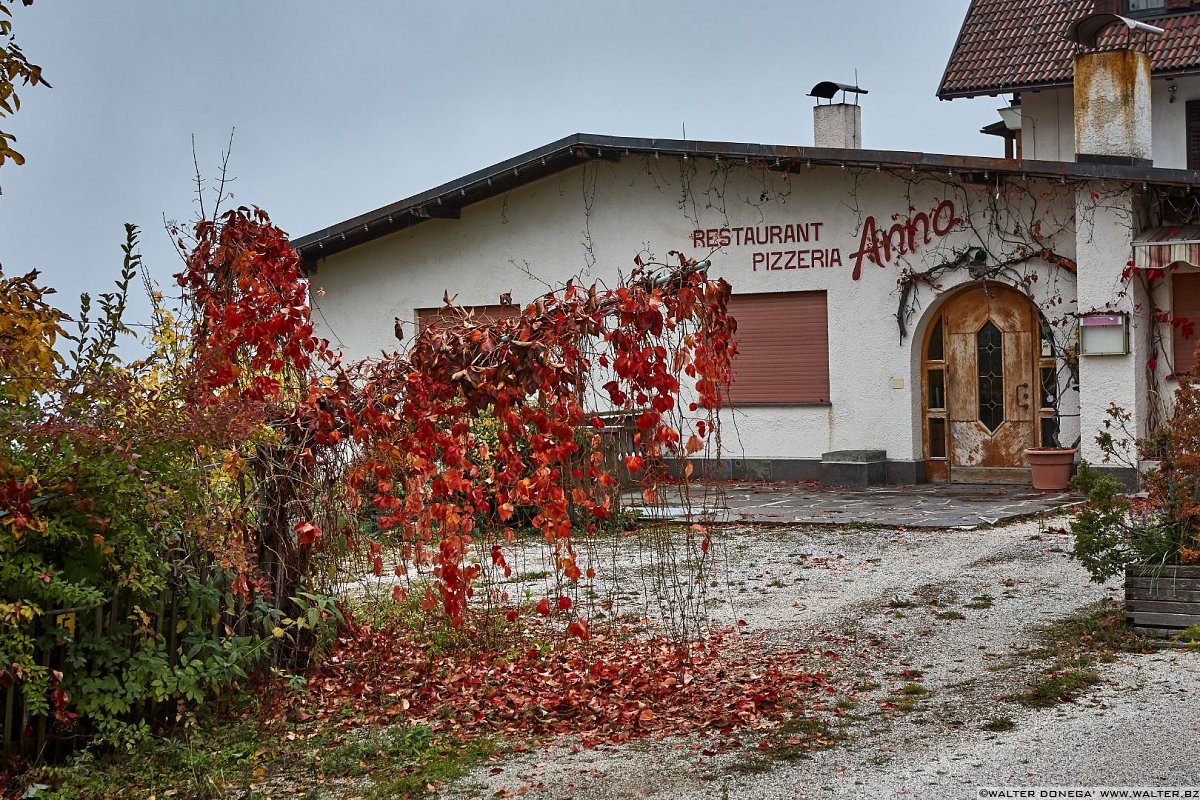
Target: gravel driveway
x,y
953,613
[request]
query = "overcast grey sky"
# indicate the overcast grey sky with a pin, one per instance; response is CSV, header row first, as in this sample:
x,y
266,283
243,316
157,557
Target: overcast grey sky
x,y
341,107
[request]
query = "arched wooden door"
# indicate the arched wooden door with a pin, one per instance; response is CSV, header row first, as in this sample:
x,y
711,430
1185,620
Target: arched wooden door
x,y
982,390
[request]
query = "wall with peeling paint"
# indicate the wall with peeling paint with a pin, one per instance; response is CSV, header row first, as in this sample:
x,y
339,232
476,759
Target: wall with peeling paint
x,y
1112,104
592,220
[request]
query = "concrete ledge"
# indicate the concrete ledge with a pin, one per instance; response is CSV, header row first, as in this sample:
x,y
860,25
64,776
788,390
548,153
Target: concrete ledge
x,y
854,467
904,473
775,469
855,470
1128,476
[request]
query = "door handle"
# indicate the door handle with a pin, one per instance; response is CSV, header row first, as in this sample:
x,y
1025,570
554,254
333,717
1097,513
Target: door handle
x,y
1024,386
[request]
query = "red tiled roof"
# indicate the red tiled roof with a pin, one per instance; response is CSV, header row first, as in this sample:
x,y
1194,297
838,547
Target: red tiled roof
x,y
1011,45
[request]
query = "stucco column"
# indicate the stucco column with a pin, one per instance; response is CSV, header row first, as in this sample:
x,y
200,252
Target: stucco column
x,y
1103,247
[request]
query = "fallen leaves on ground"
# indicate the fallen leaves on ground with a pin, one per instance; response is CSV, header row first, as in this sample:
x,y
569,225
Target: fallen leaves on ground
x,y
614,687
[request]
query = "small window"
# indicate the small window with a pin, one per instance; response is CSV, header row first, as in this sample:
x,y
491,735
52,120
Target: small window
x,y
990,355
783,348
937,390
1185,311
936,350
1145,6
937,437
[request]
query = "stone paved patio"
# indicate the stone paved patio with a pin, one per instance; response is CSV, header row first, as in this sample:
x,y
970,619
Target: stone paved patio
x,y
811,503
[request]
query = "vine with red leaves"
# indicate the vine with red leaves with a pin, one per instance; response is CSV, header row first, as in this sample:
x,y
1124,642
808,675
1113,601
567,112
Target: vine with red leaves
x,y
401,435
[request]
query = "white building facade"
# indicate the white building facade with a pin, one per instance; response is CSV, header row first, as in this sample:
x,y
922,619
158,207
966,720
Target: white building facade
x,y
918,314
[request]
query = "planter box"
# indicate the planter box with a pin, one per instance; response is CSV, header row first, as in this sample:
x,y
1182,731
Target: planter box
x,y
1162,601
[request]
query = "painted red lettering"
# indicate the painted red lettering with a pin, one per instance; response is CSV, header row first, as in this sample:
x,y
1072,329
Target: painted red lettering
x,y
790,263
711,237
774,235
901,238
758,258
868,248
697,238
897,235
818,258
725,237
802,258
952,219
922,218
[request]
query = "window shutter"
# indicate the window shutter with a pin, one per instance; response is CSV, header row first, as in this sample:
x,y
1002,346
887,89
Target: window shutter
x,y
1192,122
1185,302
783,348
433,316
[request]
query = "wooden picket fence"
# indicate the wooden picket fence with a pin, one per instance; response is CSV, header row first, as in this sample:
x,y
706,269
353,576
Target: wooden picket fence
x,y
41,737
37,738
617,443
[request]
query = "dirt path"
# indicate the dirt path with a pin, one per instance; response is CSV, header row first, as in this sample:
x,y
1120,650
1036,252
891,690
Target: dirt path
x,y
933,629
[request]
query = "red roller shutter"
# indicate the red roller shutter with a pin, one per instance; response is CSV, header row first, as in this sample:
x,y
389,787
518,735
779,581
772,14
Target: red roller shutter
x,y
783,348
1185,303
432,316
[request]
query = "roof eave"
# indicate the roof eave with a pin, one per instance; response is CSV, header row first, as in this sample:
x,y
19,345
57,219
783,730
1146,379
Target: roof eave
x,y
578,148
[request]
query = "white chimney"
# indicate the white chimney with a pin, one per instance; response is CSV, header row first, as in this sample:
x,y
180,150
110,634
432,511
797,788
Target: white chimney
x,y
1112,90
1112,107
837,124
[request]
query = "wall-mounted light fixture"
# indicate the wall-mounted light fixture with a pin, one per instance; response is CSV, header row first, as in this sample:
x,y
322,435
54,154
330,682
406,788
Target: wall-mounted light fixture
x,y
1011,116
1104,334
1172,90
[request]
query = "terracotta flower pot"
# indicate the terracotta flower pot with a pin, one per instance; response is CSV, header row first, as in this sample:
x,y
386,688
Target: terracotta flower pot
x,y
1050,467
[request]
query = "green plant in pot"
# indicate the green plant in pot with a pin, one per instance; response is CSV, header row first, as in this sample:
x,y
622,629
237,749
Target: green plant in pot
x,y
1051,463
1153,537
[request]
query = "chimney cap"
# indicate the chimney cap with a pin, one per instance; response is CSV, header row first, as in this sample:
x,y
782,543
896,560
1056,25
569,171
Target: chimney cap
x,y
825,90
1086,31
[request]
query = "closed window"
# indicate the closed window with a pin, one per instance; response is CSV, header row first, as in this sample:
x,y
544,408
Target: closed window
x,y
783,348
1185,305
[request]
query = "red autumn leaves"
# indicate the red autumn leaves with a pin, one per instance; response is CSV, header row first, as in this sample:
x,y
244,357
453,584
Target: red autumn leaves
x,y
481,425
613,688
487,424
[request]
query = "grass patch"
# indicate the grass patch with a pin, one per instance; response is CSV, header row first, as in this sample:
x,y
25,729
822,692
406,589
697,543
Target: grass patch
x,y
999,724
980,602
1075,644
1098,628
534,575
1188,635
792,741
217,760
907,698
1058,687
949,615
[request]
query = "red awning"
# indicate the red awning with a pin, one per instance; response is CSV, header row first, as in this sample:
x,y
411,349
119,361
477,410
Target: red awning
x,y
1158,248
